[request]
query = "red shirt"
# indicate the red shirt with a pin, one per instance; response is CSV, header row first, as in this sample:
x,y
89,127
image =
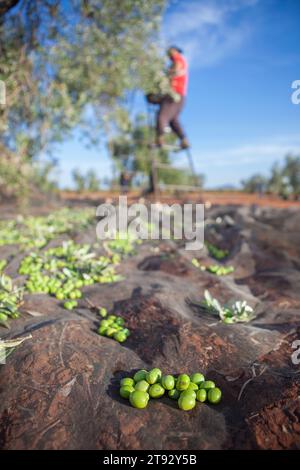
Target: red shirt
x,y
179,82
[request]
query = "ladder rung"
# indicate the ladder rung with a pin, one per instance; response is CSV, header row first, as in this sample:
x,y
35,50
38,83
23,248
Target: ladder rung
x,y
172,148
179,187
165,166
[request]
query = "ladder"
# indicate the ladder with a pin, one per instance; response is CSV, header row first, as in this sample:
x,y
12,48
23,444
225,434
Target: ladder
x,y
155,186
156,166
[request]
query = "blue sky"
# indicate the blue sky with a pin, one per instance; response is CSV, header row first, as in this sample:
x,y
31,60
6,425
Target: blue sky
x,y
243,56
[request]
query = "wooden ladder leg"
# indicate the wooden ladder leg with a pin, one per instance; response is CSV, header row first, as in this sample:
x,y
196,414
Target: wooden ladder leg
x,y
191,164
154,177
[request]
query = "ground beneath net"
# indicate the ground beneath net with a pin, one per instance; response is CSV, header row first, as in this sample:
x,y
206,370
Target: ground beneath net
x,y
60,389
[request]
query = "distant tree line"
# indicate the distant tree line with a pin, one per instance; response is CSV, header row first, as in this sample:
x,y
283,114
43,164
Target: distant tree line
x,y
284,180
86,181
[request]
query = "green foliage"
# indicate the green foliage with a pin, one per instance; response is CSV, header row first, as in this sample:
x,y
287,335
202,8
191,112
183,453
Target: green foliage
x,y
123,244
255,184
3,263
68,64
62,271
238,312
284,180
19,175
114,327
36,232
86,182
216,252
65,58
131,150
291,171
42,175
13,176
216,269
130,146
10,300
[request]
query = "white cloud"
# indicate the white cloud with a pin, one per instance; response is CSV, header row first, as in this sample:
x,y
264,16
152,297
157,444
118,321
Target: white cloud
x,y
261,153
205,28
233,164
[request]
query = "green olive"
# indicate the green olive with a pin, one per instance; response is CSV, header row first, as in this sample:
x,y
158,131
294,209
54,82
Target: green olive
x,y
3,317
207,384
140,375
102,330
197,378
189,392
120,337
186,402
214,395
183,382
156,391
127,381
201,395
192,387
142,385
139,399
102,311
68,305
126,390
153,376
110,331
174,394
168,382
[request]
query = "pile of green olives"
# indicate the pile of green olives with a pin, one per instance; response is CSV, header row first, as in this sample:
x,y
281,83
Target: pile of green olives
x,y
64,270
113,326
186,389
10,299
36,232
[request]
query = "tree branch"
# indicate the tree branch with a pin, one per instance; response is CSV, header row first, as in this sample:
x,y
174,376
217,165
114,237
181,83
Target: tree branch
x,y
6,5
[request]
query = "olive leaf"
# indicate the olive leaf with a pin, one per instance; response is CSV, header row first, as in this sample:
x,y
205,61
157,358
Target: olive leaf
x,y
34,313
8,346
13,343
5,283
210,303
10,300
238,312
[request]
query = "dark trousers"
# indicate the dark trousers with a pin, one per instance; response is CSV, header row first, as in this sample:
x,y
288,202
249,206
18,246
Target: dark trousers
x,y
168,115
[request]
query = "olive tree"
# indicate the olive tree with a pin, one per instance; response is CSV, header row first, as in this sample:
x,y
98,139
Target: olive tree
x,y
71,64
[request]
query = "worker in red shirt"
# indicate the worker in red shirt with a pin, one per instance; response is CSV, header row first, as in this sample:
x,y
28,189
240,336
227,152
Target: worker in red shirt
x,y
171,105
